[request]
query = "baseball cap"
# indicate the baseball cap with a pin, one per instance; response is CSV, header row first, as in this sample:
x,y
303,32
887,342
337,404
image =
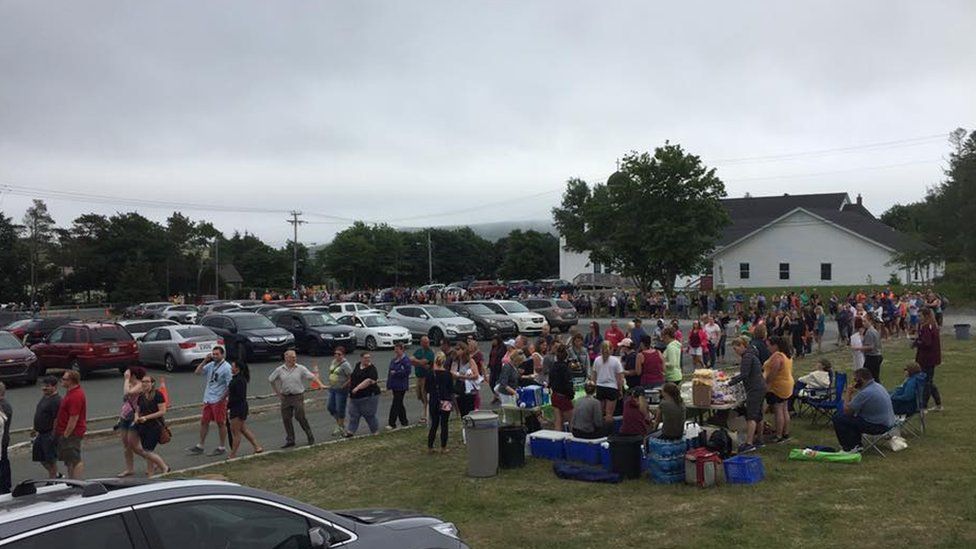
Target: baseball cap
x,y
510,343
49,380
627,342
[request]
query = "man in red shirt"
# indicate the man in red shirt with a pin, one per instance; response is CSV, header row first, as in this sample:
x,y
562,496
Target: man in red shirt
x,y
69,428
614,335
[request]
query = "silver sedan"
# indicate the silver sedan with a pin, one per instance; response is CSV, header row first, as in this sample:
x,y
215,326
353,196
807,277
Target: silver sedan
x,y
175,347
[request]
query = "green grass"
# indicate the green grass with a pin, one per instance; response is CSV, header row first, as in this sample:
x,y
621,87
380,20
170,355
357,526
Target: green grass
x,y
923,496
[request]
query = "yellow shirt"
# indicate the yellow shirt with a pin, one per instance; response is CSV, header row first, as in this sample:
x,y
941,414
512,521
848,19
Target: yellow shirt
x,y
781,384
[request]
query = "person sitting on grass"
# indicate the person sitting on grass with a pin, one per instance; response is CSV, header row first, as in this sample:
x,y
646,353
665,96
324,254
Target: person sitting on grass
x,y
587,421
869,411
636,420
904,399
670,413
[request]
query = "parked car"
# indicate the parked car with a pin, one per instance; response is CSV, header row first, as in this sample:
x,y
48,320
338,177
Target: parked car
x,y
431,287
528,323
139,328
175,347
265,310
487,322
17,362
560,314
86,347
351,307
184,314
198,514
487,288
433,321
373,331
314,331
248,335
557,285
33,330
149,310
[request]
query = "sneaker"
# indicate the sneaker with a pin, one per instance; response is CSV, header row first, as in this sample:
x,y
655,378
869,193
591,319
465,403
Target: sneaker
x,y
195,450
759,444
938,408
782,439
288,445
855,450
337,432
746,448
218,451
311,441
389,427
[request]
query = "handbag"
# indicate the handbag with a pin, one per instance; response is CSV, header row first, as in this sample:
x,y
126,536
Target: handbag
x,y
165,435
446,406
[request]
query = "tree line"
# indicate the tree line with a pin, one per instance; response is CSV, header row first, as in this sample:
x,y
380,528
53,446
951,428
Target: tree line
x,y
126,258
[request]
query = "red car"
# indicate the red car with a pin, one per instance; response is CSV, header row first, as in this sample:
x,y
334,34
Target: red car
x,y
86,347
17,362
487,288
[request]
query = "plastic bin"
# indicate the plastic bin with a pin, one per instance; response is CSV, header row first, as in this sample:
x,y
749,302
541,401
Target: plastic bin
x,y
530,396
548,444
605,456
962,331
481,432
626,455
744,470
511,447
585,450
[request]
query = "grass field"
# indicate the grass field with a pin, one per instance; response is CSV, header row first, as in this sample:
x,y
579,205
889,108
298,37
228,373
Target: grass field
x,y
924,496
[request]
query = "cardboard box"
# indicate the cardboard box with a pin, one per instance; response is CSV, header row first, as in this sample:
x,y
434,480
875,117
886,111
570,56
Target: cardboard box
x,y
701,395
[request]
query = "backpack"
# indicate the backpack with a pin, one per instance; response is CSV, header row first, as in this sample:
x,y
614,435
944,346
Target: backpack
x,y
721,443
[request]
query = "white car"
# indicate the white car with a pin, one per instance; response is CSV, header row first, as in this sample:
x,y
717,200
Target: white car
x,y
185,314
351,308
373,331
139,328
528,323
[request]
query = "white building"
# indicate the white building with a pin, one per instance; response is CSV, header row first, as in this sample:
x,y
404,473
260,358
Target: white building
x,y
797,241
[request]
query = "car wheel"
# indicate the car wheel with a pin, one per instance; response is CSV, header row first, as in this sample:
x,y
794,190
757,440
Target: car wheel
x,y
169,363
435,335
483,333
241,352
370,343
75,366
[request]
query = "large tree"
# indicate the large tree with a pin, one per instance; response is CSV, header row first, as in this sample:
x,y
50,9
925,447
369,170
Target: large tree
x,y
39,228
656,218
13,262
527,254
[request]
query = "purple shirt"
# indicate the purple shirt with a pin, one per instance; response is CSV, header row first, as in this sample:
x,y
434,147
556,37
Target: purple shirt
x,y
398,378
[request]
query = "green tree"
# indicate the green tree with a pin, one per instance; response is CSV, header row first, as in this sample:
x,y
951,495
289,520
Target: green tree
x,y
39,227
527,254
14,276
133,286
654,220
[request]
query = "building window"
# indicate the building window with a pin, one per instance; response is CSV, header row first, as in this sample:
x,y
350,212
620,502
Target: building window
x,y
597,268
825,271
784,271
743,271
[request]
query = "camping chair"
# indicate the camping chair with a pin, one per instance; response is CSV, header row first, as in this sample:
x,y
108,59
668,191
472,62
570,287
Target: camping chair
x,y
802,394
907,424
826,408
873,442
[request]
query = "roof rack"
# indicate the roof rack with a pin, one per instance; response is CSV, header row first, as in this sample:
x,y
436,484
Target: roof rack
x,y
88,488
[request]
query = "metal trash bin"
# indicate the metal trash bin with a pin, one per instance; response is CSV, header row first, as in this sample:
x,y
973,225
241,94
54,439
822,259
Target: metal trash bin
x,y
481,434
962,331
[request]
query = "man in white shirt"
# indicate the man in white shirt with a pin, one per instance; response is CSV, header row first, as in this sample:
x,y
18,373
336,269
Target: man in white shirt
x,y
288,382
714,334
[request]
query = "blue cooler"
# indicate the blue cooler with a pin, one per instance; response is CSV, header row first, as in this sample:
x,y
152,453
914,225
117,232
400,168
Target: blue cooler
x,y
530,396
548,444
587,451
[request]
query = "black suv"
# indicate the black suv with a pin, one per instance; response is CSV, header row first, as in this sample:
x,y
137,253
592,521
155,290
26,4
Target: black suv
x,y
560,314
488,323
315,331
249,334
34,330
197,514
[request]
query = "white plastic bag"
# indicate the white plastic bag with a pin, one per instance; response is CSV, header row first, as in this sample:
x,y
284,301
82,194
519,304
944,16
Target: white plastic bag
x,y
898,443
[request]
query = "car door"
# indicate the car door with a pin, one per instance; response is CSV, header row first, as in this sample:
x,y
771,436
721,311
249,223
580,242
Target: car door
x,y
147,347
48,351
350,321
408,319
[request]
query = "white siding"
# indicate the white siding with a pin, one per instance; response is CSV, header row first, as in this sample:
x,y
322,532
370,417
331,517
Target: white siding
x,y
804,242
572,263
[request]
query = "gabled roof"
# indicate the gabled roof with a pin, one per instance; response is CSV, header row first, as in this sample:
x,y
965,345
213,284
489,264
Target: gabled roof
x,y
230,274
750,214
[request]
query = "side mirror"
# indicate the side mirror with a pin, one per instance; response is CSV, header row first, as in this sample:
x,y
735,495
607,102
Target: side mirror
x,y
319,538
423,317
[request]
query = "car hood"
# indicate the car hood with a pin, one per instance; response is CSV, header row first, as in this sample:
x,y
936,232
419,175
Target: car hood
x,y
266,332
14,354
498,316
334,330
526,315
397,519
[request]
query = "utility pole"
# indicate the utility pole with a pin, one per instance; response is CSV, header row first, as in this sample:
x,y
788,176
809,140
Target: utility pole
x,y
430,261
295,222
217,266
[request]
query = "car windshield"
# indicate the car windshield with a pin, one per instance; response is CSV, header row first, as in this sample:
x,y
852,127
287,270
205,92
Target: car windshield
x,y
513,307
319,319
373,321
9,342
252,322
440,312
195,331
479,309
18,324
564,304
105,334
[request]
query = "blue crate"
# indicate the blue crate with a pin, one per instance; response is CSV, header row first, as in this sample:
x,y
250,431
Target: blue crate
x,y
744,470
548,444
585,450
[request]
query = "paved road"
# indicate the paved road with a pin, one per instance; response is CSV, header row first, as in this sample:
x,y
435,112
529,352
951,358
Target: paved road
x,y
103,454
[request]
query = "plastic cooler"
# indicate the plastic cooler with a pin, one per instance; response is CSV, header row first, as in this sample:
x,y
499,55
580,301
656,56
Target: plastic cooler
x,y
548,444
586,450
530,396
702,468
744,470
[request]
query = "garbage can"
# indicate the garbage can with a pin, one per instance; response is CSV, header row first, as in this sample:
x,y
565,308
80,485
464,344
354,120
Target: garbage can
x,y
962,331
625,455
481,432
511,447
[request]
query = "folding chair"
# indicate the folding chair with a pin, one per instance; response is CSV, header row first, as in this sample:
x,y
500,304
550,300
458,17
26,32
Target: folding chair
x,y
826,408
907,423
873,442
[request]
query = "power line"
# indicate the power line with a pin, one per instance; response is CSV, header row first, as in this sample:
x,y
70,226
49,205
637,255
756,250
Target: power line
x,y
880,145
836,172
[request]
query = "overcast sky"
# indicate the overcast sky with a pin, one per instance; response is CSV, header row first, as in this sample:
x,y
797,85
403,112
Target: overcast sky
x,y
417,113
